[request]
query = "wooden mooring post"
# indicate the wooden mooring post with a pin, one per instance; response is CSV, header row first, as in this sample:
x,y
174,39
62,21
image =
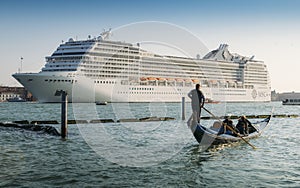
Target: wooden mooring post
x,y
183,108
64,112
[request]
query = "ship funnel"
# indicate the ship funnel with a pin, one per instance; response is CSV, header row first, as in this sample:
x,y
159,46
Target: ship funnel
x,y
223,46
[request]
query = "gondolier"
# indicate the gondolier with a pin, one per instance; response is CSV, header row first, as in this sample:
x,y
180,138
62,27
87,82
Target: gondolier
x,y
198,99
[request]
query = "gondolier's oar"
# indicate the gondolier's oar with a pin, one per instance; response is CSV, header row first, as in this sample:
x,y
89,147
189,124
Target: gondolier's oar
x,y
230,128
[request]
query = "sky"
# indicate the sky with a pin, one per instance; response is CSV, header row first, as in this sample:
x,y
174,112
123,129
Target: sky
x,y
268,29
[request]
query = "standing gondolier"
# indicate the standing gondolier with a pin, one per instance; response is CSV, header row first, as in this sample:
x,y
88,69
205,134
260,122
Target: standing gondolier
x,y
198,99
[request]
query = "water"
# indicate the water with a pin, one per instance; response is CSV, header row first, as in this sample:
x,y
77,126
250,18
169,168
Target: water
x,y
154,154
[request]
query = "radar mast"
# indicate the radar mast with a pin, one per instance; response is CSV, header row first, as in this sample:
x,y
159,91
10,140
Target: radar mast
x,y
105,35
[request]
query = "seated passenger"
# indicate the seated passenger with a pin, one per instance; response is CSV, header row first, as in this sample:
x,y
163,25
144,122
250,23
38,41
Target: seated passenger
x,y
243,125
225,127
251,128
216,126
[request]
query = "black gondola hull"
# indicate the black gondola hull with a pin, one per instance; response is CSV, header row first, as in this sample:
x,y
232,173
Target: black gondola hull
x,y
206,136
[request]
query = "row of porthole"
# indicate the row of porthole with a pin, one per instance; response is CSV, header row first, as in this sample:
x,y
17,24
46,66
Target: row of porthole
x,y
105,82
242,94
137,88
50,80
160,93
294,100
4,96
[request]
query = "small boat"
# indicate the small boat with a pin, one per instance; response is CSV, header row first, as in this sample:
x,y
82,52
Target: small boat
x,y
101,103
209,136
291,102
210,101
16,99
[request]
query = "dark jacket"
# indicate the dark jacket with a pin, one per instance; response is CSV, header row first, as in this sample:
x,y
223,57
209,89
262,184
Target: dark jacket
x,y
242,126
197,98
225,130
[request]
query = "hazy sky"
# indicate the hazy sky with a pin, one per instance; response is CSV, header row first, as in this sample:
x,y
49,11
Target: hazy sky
x,y
267,29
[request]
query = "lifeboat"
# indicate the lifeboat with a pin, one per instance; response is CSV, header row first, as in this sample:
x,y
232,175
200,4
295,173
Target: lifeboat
x,y
152,79
161,80
179,80
195,81
143,79
170,79
187,80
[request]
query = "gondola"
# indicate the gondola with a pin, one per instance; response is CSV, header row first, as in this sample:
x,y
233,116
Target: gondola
x,y
210,137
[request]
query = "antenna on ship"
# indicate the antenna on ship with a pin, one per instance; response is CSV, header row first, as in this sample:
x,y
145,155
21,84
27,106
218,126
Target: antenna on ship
x,y
20,69
105,34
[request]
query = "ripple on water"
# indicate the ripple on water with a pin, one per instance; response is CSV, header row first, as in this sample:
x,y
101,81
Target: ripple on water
x,y
28,159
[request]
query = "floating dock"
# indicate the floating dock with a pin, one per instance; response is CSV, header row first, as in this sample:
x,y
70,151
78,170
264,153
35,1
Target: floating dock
x,y
41,125
147,119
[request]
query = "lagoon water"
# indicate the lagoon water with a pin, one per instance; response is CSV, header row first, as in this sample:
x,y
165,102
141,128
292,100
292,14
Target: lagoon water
x,y
148,154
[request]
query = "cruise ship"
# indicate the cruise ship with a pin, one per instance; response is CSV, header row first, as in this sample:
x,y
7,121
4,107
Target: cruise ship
x,y
103,70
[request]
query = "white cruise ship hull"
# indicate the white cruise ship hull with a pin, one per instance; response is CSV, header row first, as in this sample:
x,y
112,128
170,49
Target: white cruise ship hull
x,y
81,89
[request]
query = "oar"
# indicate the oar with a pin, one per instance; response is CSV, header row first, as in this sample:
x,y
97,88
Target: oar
x,y
230,128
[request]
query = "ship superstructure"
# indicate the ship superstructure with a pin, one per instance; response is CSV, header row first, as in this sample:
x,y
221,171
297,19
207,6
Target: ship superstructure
x,y
99,69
